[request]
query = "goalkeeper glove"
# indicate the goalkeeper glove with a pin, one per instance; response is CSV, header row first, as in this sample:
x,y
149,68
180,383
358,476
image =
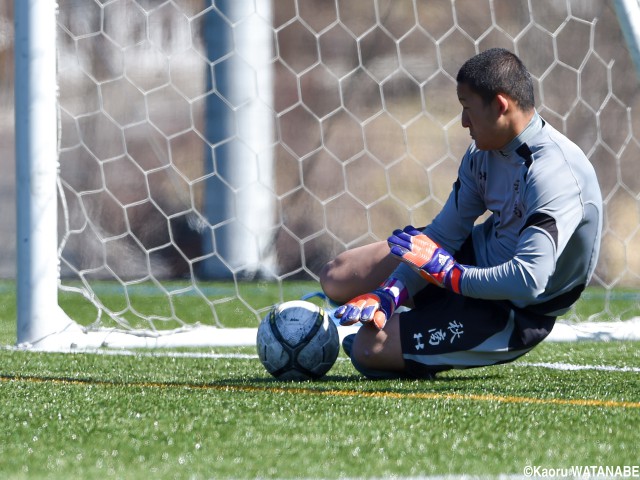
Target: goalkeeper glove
x,y
375,307
425,256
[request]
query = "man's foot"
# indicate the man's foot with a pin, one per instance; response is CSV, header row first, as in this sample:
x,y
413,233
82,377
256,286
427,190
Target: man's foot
x,y
347,343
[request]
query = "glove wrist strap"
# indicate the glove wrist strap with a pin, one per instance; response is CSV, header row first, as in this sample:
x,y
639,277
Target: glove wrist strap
x,y
453,277
396,289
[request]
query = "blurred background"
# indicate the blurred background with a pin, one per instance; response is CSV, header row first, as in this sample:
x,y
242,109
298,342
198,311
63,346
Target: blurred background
x,y
258,139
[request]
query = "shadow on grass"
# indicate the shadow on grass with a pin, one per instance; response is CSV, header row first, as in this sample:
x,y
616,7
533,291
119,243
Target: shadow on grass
x,y
349,383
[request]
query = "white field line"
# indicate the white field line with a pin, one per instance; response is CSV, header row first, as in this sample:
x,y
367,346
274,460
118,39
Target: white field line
x,y
250,356
570,366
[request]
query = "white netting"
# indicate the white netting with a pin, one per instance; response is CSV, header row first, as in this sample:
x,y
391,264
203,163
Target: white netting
x,y
360,134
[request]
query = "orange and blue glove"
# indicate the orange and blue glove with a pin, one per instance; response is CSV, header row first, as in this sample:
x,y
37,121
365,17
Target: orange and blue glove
x,y
373,308
425,256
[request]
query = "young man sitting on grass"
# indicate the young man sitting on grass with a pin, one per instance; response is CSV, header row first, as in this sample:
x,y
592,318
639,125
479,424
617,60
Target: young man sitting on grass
x,y
478,294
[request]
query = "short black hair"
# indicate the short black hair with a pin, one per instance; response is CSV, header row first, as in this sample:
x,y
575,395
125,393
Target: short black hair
x,y
495,71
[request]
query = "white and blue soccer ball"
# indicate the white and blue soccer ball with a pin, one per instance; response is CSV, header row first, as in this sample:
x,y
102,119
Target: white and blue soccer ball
x,y
297,341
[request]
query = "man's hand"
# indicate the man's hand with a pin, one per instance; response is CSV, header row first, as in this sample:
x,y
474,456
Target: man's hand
x,y
425,256
375,307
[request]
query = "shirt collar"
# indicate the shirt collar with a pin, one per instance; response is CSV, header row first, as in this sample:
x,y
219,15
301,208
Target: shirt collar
x,y
533,128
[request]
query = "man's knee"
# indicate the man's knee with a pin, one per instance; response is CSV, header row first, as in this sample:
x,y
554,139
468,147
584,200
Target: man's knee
x,y
339,278
357,271
328,282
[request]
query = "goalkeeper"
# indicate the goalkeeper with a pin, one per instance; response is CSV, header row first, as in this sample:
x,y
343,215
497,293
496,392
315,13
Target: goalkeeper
x,y
478,293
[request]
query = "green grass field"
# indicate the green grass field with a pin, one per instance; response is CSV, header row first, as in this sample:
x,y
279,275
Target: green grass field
x,y
216,413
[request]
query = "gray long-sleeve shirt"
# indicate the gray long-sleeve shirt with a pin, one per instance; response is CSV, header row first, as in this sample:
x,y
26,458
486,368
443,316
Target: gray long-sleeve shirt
x,y
539,246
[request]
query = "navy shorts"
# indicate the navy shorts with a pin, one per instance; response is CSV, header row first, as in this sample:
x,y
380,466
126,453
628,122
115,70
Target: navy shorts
x,y
446,330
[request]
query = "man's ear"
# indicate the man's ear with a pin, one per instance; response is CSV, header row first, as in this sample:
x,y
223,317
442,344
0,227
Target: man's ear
x,y
502,102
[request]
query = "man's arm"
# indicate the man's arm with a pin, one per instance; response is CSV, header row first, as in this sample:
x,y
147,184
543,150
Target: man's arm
x,y
453,224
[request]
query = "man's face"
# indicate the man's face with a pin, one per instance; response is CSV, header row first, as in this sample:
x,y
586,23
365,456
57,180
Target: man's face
x,y
481,119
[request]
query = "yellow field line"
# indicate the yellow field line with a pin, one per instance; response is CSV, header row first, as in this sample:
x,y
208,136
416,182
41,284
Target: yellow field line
x,y
580,402
585,402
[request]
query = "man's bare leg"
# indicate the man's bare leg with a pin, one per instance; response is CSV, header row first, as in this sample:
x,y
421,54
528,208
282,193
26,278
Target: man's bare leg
x,y
379,350
357,271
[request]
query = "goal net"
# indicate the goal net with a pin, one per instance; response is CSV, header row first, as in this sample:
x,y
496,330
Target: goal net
x,y
213,155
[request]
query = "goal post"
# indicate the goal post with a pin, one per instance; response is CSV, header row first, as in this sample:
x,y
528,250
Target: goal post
x,y
41,322
181,166
248,157
38,312
628,12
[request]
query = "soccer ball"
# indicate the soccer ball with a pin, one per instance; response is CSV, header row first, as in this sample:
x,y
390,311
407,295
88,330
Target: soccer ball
x,y
297,341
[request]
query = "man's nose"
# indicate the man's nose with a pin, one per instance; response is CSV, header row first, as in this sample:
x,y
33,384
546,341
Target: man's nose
x,y
464,120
